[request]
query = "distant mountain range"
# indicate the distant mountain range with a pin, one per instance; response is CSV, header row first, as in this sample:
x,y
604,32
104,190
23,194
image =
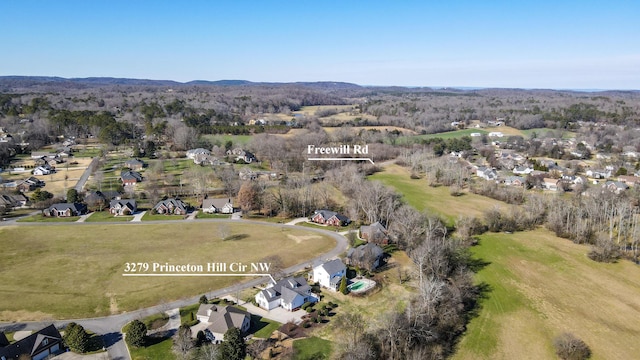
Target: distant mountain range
x,y
29,81
45,82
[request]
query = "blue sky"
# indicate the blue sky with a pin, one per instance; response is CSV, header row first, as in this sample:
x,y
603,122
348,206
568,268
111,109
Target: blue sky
x,y
527,44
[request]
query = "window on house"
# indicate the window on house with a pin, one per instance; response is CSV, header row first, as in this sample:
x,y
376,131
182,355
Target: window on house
x,y
45,342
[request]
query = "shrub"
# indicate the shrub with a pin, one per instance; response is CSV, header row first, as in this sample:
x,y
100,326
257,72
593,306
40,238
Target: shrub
x,y
569,347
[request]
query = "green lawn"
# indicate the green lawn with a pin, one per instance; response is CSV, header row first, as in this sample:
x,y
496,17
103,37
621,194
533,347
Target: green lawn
x,y
186,313
40,218
105,216
540,286
85,263
263,327
202,215
221,140
148,216
157,349
311,348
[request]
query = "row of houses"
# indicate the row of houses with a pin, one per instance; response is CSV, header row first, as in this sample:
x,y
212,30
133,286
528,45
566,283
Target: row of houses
x,y
119,206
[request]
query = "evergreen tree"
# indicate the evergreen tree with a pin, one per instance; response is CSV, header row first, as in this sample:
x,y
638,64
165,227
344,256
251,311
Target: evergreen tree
x,y
76,338
73,196
136,333
343,285
233,347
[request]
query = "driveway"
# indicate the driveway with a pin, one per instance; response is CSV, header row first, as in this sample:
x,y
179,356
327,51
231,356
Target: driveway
x,y
278,314
138,217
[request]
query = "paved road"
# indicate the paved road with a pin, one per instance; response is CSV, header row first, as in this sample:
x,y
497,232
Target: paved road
x,y
110,326
85,175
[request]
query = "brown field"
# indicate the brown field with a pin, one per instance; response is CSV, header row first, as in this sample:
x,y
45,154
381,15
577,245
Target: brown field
x,y
75,270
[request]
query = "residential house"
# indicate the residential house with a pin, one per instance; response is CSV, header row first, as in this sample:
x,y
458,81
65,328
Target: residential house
x,y
134,164
42,170
40,345
130,178
218,319
615,186
122,207
13,200
522,170
222,206
170,207
243,155
40,154
495,134
247,174
368,256
551,184
204,159
65,210
514,181
629,179
329,274
598,173
30,184
98,200
486,173
375,233
328,217
191,154
289,293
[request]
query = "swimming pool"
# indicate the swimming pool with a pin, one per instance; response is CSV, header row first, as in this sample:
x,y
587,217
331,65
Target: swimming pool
x,y
361,285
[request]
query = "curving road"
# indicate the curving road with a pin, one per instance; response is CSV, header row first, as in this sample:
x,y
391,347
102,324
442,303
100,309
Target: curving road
x,y
110,326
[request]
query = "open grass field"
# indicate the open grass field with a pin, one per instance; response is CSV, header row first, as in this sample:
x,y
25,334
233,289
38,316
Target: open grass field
x,y
417,193
542,286
75,270
220,140
444,135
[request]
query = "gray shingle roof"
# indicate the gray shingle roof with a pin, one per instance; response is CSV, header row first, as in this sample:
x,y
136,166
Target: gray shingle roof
x,y
333,266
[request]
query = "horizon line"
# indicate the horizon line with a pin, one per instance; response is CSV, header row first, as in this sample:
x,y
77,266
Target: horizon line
x,y
438,87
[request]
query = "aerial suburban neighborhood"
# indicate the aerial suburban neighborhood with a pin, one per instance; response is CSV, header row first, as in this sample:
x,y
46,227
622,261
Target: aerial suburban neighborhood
x,y
393,181
241,236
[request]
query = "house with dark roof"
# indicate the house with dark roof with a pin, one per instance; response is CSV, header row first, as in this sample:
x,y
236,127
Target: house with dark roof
x,y
243,155
65,210
40,345
29,184
327,217
218,319
329,274
368,256
130,178
170,207
134,164
375,233
222,206
122,207
289,293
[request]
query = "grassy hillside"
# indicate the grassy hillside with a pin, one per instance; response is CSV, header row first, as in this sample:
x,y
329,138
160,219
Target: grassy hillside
x,y
417,193
542,286
80,267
